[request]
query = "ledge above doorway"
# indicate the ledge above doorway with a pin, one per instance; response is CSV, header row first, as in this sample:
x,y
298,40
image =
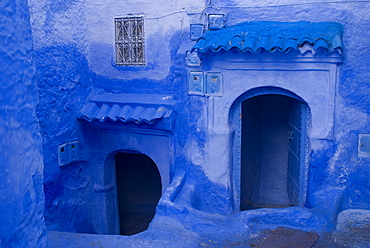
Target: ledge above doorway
x,y
129,111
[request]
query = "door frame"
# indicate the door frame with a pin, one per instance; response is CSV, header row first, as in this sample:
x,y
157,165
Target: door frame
x,y
235,122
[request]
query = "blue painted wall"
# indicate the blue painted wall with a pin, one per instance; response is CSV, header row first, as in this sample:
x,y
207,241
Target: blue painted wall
x,y
63,78
21,166
74,50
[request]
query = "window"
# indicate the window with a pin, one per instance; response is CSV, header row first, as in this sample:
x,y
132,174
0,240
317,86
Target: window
x,y
130,41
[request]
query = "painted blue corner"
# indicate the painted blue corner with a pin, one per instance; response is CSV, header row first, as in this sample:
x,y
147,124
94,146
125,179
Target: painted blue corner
x,y
22,198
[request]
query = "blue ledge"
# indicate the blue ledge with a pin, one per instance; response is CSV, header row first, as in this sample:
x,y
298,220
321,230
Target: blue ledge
x,y
123,112
143,111
131,115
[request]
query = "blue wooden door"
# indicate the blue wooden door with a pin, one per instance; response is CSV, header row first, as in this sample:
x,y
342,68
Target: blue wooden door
x,y
296,154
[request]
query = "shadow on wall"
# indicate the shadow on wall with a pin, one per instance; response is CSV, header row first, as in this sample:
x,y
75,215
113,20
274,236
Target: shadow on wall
x,y
64,81
21,198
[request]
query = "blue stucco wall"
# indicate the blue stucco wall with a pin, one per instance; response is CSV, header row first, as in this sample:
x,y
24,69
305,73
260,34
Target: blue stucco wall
x,y
74,53
21,174
63,77
64,80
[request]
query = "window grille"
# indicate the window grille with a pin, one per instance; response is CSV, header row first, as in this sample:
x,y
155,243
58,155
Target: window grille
x,y
130,41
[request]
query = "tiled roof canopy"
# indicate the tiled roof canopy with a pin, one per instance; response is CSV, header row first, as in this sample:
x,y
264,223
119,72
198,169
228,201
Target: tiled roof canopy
x,y
100,112
272,37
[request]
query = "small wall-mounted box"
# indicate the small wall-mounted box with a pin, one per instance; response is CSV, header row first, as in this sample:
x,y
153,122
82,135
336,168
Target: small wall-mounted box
x,y
63,154
213,83
216,21
364,145
68,153
196,83
192,59
73,151
208,84
196,30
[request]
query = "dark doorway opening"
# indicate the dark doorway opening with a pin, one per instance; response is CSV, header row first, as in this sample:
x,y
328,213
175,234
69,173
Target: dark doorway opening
x,y
271,151
139,188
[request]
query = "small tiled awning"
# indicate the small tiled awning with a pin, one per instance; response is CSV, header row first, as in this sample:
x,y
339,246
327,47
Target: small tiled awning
x,y
102,112
273,37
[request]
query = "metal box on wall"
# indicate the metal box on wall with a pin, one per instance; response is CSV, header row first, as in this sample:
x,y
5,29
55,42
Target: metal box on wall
x,y
196,30
364,145
68,153
213,83
63,154
196,84
216,21
73,151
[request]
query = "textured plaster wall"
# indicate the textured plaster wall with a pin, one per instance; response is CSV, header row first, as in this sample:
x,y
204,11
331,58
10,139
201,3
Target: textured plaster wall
x,y
74,49
165,25
64,79
21,166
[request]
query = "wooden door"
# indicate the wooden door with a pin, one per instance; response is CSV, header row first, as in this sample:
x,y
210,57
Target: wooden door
x,y
296,155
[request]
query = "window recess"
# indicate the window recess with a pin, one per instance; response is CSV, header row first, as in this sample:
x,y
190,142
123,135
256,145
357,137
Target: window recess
x,y
129,41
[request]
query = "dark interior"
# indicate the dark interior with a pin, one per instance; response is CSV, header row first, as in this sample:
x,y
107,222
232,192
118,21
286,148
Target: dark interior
x,y
139,188
264,152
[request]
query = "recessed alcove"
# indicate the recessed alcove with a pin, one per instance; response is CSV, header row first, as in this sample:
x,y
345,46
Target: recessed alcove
x,y
269,149
139,188
129,145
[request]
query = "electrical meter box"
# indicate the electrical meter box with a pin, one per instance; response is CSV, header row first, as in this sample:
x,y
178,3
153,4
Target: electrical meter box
x,y
196,30
68,153
364,145
216,21
73,151
63,154
213,84
196,84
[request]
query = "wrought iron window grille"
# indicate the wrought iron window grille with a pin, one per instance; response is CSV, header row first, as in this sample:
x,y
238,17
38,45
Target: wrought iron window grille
x,y
129,41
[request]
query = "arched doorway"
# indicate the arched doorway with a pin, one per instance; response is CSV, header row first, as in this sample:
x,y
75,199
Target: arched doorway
x,y
138,187
270,150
